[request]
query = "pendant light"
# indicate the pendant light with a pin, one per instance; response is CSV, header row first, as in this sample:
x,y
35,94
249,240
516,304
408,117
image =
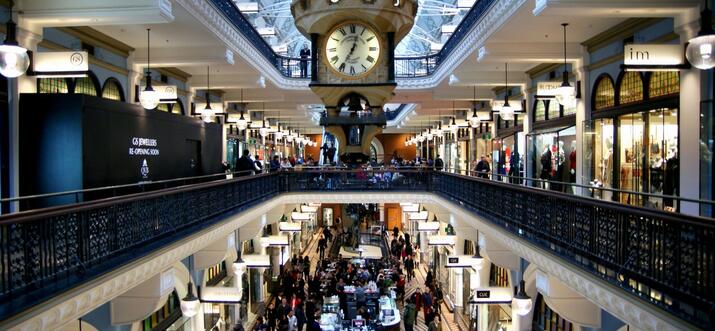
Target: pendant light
x,y
239,266
190,303
454,127
242,123
521,303
506,112
279,133
700,49
207,113
148,98
477,259
474,120
263,131
566,94
14,60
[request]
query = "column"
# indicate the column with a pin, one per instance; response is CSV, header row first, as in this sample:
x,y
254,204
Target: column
x,y
22,84
583,114
381,208
689,117
529,93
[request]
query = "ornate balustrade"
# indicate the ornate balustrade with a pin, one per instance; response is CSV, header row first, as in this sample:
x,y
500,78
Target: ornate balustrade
x,y
663,258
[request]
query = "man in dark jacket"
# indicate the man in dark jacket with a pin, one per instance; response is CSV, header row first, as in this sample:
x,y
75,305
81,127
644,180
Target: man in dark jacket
x,y
438,163
410,316
482,168
275,164
245,164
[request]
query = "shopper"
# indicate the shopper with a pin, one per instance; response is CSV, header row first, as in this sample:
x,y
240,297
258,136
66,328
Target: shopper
x,y
438,163
292,321
410,316
271,315
245,164
482,168
260,325
435,324
300,316
275,164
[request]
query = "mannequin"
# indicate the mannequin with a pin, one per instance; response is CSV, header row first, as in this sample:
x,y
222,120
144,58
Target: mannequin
x,y
671,181
545,163
572,163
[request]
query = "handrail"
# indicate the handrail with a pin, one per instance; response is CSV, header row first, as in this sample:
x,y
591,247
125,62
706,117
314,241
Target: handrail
x,y
429,62
47,251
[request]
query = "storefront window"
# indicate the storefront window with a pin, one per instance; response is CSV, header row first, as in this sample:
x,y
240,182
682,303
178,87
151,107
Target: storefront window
x,y
52,85
498,276
569,111
598,156
631,88
605,95
167,314
663,83
707,147
545,319
553,157
85,85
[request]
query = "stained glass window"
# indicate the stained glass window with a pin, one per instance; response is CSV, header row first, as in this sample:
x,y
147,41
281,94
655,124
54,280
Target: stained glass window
x,y
605,94
53,85
540,111
112,90
554,110
664,83
85,85
631,89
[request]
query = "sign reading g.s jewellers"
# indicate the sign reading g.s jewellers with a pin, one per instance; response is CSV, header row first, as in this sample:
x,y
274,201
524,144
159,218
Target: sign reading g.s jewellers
x,y
653,54
60,62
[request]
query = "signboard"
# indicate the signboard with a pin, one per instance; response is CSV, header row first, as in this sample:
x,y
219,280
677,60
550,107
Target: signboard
x,y
419,216
464,261
256,260
427,226
515,104
271,241
492,295
441,240
220,294
60,64
308,209
548,89
653,54
167,93
453,260
300,216
289,226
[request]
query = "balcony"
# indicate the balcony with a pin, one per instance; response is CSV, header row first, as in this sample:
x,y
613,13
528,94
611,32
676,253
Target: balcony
x,y
665,260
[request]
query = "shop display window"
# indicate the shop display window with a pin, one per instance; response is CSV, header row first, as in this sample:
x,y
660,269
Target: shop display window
x,y
167,314
553,109
631,88
498,276
85,85
553,157
707,148
605,94
112,90
52,85
598,156
663,83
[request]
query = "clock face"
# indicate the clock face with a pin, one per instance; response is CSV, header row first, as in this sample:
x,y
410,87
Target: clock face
x,y
352,49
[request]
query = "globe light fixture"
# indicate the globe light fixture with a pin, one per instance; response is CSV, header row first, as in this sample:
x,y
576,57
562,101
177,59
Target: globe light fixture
x,y
263,131
148,98
566,94
506,111
700,49
454,127
190,303
208,113
429,134
521,303
439,133
14,60
474,120
279,133
242,123
239,266
477,260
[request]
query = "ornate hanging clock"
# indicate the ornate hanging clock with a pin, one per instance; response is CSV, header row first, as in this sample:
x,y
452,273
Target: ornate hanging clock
x,y
352,49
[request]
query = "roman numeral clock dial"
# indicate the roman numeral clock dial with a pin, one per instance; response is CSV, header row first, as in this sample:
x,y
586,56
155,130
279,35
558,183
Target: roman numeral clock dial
x,y
352,49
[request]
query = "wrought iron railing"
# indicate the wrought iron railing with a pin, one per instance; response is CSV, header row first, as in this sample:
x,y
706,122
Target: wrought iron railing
x,y
663,258
405,67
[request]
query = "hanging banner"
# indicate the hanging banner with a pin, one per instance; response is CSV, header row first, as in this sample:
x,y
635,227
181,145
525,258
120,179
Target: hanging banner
x,y
60,64
491,295
219,294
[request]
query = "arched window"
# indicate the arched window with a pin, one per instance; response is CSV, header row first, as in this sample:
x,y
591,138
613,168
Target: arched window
x,y
548,320
52,85
163,107
605,95
112,90
630,89
663,83
554,109
178,107
84,85
498,276
539,111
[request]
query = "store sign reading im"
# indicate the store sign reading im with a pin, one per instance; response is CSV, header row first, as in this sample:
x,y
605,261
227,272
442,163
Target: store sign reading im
x,y
653,54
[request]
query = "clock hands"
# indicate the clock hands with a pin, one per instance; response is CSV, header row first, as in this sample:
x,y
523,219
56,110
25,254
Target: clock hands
x,y
352,49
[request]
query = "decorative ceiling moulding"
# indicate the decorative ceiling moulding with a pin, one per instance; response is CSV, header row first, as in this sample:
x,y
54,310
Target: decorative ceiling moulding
x,y
215,22
42,14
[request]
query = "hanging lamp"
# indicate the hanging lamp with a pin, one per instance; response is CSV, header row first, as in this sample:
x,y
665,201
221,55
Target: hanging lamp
x,y
207,113
263,131
474,120
566,94
700,49
14,60
242,123
148,98
506,111
454,127
190,303
521,303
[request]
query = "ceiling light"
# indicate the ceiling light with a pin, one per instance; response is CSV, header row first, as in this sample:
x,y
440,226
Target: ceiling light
x,y
14,60
521,303
566,94
207,113
190,303
700,49
149,98
506,111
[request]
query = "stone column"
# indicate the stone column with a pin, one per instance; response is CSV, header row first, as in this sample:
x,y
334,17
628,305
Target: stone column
x,y
583,114
689,117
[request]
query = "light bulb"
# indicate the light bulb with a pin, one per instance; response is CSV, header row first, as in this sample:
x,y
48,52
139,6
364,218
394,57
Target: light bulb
x,y
14,61
507,113
242,124
149,98
474,121
700,52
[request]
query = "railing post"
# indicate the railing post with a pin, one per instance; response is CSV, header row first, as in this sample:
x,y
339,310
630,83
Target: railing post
x,y
314,58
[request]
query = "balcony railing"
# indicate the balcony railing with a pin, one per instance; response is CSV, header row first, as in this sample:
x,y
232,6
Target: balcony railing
x,y
665,259
405,67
